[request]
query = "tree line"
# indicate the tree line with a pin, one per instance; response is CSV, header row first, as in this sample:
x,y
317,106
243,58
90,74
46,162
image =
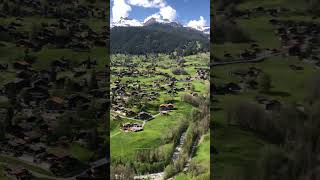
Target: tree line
x,y
142,40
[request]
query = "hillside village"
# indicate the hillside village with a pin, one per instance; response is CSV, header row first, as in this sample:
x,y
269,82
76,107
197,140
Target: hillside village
x,y
265,89
53,89
151,94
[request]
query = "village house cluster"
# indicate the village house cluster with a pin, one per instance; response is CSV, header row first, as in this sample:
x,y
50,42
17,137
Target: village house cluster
x,y
65,33
247,79
44,93
53,8
129,96
299,39
37,112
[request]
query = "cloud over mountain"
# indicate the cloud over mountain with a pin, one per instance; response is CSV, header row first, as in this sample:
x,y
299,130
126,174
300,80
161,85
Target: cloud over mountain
x,y
197,24
120,9
166,13
148,3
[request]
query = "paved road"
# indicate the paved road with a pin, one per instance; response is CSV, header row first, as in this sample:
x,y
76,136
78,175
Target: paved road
x,y
258,59
94,164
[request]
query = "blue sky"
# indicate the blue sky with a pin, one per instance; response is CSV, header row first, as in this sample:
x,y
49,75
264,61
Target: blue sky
x,y
183,11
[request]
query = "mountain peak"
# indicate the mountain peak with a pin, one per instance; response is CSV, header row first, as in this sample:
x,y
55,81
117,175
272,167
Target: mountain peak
x,y
150,21
126,22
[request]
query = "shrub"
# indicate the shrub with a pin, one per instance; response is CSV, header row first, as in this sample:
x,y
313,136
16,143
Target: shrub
x,y
121,172
273,164
265,83
169,171
179,71
196,169
193,100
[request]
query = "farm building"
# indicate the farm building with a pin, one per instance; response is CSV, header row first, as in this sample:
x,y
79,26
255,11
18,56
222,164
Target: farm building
x,y
166,107
134,127
144,116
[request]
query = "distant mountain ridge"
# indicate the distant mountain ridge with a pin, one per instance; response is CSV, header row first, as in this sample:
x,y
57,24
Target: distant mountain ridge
x,y
156,37
127,22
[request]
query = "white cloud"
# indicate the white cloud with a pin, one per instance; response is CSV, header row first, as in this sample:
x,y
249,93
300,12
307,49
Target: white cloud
x,y
120,9
134,22
148,3
165,13
168,12
197,24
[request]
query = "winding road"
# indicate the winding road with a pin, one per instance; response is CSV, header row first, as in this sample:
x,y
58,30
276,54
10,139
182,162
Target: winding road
x,y
258,59
94,164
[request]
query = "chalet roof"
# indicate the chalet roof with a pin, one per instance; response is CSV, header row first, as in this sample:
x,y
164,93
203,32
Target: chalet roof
x,y
57,100
32,134
60,154
19,171
36,147
23,63
16,142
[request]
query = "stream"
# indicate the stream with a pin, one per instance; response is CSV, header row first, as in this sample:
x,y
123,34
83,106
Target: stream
x,y
175,156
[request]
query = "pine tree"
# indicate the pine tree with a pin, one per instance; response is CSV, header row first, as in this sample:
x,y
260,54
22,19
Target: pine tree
x,y
265,83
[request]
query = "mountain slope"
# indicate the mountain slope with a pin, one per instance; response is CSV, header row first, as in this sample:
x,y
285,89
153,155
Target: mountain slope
x,y
155,38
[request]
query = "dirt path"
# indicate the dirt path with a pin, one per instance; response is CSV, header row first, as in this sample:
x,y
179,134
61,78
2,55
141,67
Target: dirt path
x,y
115,134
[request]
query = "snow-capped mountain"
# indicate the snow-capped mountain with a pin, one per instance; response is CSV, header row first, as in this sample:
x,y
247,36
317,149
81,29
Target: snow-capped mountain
x,y
154,20
127,22
204,29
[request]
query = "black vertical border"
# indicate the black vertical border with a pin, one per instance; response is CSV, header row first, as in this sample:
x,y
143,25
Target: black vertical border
x,y
109,80
211,86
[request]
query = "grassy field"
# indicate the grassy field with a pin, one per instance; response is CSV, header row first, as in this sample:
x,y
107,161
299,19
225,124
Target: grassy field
x,y
125,144
15,162
293,4
238,148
